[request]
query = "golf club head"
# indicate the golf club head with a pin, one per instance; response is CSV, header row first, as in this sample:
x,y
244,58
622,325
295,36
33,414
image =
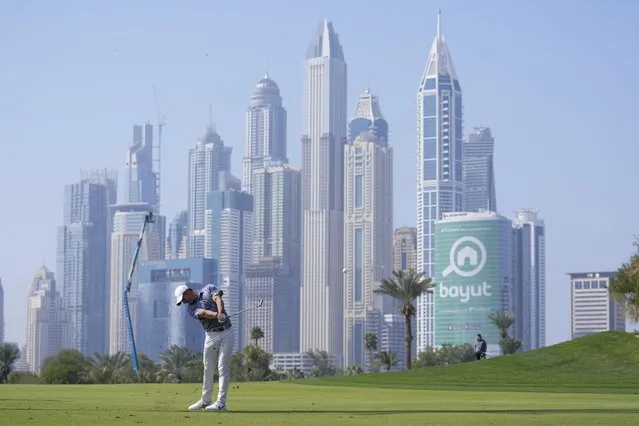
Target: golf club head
x,y
260,303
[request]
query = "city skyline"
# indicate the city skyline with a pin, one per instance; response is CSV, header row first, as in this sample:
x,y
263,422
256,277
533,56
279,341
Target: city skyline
x,y
500,133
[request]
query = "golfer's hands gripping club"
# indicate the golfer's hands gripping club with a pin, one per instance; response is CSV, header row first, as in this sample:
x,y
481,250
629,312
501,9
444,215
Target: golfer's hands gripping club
x,y
221,317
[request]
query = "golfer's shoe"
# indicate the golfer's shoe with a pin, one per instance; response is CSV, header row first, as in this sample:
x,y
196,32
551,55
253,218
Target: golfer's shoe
x,y
218,406
199,405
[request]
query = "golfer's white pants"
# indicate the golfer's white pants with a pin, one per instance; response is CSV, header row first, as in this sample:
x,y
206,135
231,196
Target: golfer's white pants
x,y
218,348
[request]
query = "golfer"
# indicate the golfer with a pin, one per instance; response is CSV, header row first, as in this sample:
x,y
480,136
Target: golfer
x,y
480,347
207,306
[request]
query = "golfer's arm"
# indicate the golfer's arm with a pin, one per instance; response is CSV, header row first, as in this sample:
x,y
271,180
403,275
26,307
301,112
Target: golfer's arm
x,y
206,314
219,303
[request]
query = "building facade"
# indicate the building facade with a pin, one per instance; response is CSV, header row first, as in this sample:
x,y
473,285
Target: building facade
x,y
229,240
47,321
324,136
591,308
473,277
83,259
271,280
368,116
178,236
127,224
368,237
392,338
265,130
405,249
439,166
478,171
161,324
209,163
529,276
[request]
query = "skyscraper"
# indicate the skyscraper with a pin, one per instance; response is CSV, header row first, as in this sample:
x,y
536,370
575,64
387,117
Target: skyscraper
x,y
177,238
208,163
529,274
592,310
368,234
478,173
265,130
127,224
439,165
83,258
229,240
1,313
405,249
324,127
47,321
142,180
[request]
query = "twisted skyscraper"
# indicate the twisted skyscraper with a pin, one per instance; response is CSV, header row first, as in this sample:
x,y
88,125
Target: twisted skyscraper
x,y
324,127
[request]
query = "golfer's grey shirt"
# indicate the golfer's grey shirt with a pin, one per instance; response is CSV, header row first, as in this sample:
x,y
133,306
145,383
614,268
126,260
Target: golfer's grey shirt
x,y
205,303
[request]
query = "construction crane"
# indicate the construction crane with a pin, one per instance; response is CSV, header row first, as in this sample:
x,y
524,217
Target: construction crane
x,y
157,148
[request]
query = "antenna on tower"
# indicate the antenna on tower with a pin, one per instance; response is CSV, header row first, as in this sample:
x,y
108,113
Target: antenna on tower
x,y
157,148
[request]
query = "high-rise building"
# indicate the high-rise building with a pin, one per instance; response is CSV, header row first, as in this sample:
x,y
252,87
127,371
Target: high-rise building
x,y
368,116
265,130
47,321
323,140
591,308
127,224
270,280
177,236
229,240
392,338
529,278
368,236
1,313
161,324
405,249
143,185
478,172
209,162
22,364
83,258
473,277
439,165
276,214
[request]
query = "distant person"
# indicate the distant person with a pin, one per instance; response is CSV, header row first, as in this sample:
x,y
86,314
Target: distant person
x,y
480,347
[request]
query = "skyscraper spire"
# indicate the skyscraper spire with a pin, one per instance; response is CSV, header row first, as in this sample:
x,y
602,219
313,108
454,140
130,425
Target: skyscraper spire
x,y
439,24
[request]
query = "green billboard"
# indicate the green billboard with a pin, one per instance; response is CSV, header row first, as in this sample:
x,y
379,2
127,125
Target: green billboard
x,y
472,276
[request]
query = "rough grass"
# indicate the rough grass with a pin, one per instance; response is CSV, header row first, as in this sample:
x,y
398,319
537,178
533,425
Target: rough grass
x,y
604,362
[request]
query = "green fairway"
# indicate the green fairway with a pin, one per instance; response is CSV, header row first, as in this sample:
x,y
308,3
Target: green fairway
x,y
592,380
289,404
604,362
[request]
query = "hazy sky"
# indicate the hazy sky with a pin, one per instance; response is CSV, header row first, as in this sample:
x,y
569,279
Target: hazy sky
x,y
555,80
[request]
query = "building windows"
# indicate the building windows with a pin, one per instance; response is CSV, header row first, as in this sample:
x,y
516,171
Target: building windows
x,y
431,84
359,191
430,127
170,275
430,149
430,106
359,261
430,170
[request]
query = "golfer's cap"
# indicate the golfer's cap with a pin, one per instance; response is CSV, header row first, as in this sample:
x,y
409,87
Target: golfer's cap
x,y
179,293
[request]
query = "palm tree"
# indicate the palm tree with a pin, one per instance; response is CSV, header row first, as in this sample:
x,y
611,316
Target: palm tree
x,y
256,334
503,321
9,354
175,362
387,359
370,342
406,287
321,364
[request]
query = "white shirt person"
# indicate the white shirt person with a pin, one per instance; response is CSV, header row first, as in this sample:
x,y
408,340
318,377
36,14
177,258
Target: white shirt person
x,y
207,306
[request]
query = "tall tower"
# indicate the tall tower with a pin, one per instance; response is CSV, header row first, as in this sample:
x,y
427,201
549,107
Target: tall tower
x,y
324,127
368,116
529,276
142,181
177,238
83,258
208,163
265,130
47,321
127,223
439,165
478,171
368,234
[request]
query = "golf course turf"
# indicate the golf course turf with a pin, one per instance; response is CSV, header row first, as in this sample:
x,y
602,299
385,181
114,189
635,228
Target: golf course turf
x,y
558,388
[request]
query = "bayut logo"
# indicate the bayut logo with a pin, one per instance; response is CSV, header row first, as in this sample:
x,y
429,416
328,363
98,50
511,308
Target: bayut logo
x,y
467,259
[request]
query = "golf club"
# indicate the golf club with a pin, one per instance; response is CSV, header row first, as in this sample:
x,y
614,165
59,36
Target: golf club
x,y
259,304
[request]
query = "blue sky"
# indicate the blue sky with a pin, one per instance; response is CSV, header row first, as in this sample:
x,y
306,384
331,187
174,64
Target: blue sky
x,y
556,82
